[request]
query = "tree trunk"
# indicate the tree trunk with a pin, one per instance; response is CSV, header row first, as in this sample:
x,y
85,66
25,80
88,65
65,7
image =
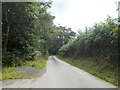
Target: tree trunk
x,y
7,33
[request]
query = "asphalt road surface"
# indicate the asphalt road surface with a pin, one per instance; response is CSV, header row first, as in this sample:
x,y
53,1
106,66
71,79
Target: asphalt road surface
x,y
59,75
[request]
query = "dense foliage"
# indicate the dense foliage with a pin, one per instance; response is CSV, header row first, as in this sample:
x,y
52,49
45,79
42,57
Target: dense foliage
x,y
99,40
58,38
28,30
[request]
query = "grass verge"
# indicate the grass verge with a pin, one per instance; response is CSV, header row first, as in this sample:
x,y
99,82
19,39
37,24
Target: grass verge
x,y
100,70
39,62
12,73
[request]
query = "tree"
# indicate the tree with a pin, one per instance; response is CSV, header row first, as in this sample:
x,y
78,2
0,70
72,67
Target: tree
x,y
25,27
101,39
59,37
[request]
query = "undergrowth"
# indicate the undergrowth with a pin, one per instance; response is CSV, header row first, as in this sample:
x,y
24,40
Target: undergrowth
x,y
12,73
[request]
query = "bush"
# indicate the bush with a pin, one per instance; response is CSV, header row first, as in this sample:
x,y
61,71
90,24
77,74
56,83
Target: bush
x,y
12,60
101,39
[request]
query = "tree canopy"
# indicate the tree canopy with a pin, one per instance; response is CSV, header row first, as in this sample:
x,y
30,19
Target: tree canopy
x,y
28,27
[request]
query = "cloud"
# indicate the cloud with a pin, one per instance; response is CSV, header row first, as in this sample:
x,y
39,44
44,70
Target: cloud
x,y
59,6
80,13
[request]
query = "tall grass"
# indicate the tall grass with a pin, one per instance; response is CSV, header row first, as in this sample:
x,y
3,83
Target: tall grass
x,y
101,69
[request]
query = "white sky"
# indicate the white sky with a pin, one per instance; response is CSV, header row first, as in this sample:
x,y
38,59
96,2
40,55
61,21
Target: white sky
x,y
77,14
